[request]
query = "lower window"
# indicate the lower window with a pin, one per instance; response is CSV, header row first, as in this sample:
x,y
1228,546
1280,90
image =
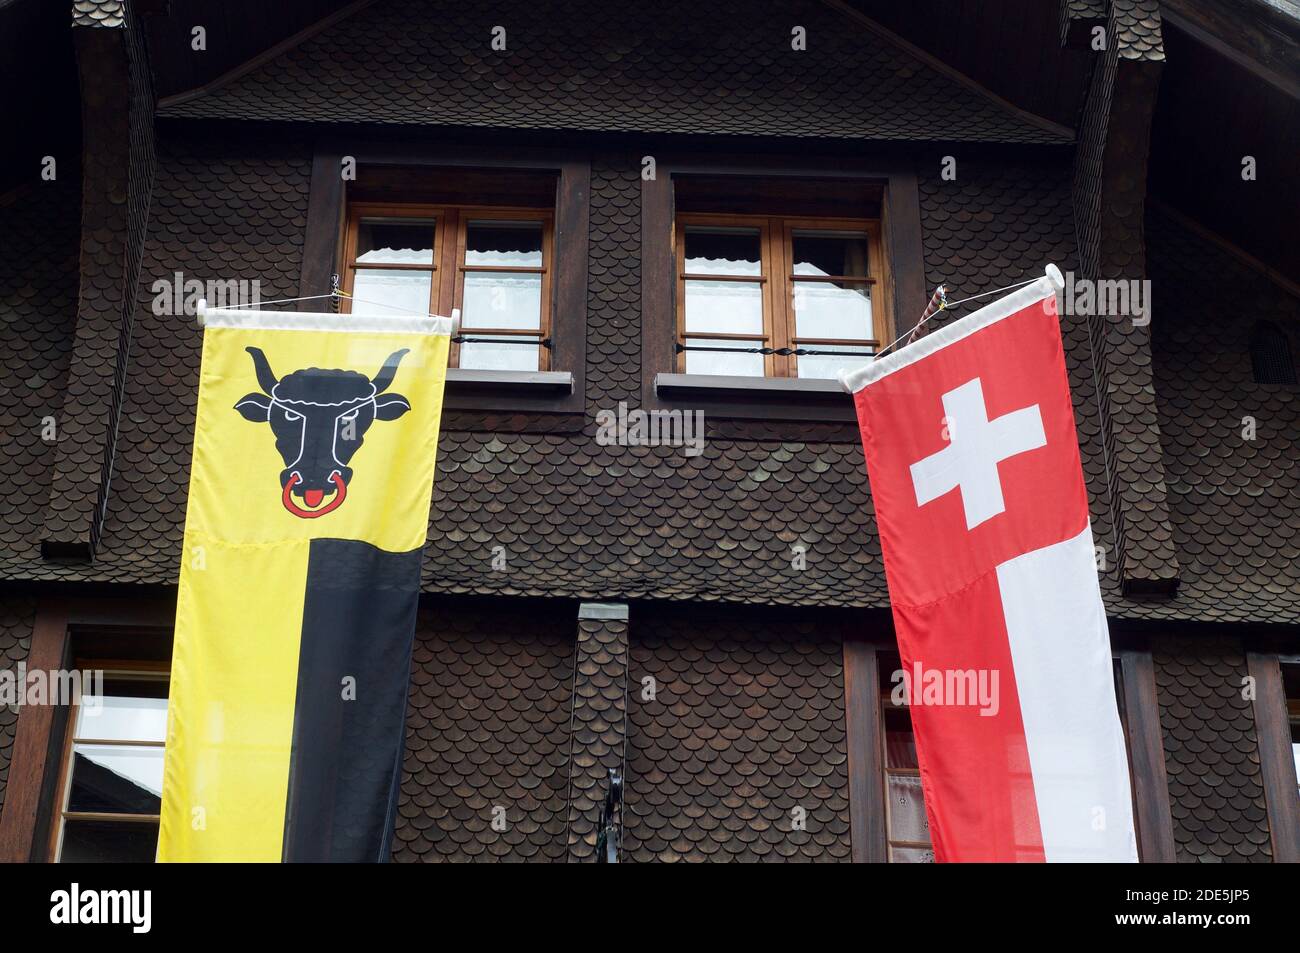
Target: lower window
x,y
111,783
907,827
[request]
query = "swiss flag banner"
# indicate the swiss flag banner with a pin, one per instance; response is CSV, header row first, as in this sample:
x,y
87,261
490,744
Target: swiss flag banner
x,y
974,466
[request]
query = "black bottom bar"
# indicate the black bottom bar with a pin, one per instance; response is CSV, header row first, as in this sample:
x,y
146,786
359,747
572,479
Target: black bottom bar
x,y
349,718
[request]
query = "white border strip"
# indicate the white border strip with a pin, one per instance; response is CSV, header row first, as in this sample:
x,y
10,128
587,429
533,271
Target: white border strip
x,y
249,318
1018,300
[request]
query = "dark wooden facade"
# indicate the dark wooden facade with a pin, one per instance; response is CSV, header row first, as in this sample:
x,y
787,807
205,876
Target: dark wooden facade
x,y
628,564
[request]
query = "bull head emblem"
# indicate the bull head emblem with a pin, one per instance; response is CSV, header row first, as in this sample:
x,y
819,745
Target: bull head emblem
x,y
319,418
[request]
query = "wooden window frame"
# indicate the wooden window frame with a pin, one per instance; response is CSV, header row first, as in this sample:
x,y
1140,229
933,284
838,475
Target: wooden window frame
x,y
449,259
765,279
111,668
778,282
882,322
865,733
31,790
769,400
551,401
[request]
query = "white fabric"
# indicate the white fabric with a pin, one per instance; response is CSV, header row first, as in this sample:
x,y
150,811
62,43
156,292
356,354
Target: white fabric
x,y
322,321
1056,625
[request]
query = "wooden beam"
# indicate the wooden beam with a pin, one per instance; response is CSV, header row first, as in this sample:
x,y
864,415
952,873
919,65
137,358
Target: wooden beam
x,y
1251,262
902,221
1277,766
1256,43
1146,749
32,740
265,56
940,66
324,225
863,730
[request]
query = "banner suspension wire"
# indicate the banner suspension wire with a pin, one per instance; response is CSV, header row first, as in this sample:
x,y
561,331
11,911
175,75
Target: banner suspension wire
x,y
336,294
943,304
938,302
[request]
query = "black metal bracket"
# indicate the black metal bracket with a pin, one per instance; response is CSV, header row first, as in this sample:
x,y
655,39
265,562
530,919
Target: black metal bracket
x,y
609,831
460,339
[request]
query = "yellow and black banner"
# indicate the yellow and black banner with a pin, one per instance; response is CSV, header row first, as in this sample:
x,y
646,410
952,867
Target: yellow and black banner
x,y
310,487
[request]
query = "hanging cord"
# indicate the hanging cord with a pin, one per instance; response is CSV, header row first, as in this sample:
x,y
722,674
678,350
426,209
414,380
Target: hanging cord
x,y
333,294
336,294
258,304
945,305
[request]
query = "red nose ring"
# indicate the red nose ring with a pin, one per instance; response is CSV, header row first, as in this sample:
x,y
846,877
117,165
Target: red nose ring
x,y
313,497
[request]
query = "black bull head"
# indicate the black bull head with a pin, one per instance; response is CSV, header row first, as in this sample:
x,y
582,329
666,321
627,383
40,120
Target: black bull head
x,y
319,418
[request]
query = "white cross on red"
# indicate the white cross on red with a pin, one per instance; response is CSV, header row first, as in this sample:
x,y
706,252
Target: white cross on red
x,y
976,445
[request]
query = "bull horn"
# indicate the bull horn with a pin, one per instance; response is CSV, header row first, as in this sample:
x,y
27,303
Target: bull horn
x,y
265,378
388,371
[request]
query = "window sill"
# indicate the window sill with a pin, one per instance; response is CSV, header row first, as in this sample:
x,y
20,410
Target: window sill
x,y
766,398
532,383
513,392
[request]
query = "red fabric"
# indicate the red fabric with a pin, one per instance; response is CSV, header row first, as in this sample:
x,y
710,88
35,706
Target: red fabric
x,y
928,550
979,795
942,577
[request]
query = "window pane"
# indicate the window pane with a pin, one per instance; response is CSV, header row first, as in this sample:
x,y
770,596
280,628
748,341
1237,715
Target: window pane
x,y
502,300
504,356
724,307
723,251
1295,747
116,779
392,292
900,743
98,842
889,667
513,244
831,309
716,362
120,718
907,819
387,242
830,253
826,366
911,855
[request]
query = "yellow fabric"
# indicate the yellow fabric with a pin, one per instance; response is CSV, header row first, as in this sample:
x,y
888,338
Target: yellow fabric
x,y
240,605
